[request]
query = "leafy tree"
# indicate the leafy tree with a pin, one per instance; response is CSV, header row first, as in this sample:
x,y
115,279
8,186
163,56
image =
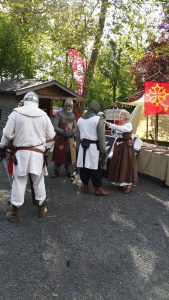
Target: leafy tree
x,y
114,63
27,22
15,57
46,28
96,46
154,66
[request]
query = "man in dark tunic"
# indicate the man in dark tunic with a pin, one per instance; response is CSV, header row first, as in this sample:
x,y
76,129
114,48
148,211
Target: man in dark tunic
x,y
91,145
64,152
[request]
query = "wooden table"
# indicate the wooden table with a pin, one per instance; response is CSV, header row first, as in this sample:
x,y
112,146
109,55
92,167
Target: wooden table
x,y
154,164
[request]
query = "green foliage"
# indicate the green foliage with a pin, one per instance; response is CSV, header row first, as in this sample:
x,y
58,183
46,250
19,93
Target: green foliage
x,y
154,66
100,90
35,35
15,56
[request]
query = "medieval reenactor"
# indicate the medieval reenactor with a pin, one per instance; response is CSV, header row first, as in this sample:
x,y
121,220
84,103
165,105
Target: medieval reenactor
x,y
29,127
64,152
92,153
123,165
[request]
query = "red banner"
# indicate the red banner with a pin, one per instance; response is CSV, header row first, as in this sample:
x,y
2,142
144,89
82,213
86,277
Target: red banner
x,y
156,98
79,66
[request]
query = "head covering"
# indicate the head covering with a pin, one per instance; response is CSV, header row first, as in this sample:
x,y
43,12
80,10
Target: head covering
x,y
95,106
101,114
31,98
30,107
69,103
67,114
126,113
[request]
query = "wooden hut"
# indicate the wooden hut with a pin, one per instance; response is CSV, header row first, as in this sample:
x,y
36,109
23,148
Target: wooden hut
x,y
12,91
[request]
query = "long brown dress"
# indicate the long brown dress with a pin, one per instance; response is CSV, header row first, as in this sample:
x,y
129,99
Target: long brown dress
x,y
123,165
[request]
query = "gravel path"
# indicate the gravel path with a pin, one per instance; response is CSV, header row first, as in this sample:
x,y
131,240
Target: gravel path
x,y
89,247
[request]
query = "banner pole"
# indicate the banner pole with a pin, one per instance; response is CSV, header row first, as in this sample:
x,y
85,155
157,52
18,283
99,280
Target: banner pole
x,y
146,126
156,128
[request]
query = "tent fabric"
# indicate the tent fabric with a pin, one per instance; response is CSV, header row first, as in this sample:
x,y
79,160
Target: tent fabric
x,y
144,126
139,102
137,112
135,117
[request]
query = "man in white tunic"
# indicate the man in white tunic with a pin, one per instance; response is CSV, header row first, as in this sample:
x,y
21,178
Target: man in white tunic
x,y
29,127
91,147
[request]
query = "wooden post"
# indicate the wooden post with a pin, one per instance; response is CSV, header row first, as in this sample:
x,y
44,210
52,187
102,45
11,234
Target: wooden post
x,y
156,129
146,126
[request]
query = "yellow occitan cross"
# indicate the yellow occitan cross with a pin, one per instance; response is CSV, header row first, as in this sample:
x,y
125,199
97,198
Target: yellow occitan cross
x,y
157,94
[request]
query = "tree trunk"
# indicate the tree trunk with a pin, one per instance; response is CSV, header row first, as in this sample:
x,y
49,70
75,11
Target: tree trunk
x,y
114,89
96,48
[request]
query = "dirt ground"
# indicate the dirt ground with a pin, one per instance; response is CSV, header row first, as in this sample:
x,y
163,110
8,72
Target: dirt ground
x,y
89,247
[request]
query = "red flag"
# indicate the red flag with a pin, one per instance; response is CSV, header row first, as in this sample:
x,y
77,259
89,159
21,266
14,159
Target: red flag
x,y
79,66
156,98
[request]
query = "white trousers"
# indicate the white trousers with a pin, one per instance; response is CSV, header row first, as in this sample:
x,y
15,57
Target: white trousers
x,y
19,186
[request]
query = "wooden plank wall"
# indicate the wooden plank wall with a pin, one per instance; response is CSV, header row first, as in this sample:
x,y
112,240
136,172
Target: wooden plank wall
x,y
7,104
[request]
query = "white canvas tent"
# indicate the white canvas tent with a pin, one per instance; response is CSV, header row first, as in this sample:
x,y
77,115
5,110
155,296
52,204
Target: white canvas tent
x,y
137,112
139,102
144,126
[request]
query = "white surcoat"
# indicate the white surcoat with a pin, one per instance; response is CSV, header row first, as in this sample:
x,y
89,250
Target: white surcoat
x,y
27,131
88,130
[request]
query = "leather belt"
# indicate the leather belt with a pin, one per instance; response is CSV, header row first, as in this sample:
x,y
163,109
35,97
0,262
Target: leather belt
x,y
29,148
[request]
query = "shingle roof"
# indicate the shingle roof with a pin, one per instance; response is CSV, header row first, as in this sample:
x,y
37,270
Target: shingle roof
x,y
13,85
21,86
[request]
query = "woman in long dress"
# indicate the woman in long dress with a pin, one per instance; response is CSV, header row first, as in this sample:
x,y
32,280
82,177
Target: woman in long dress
x,y
123,168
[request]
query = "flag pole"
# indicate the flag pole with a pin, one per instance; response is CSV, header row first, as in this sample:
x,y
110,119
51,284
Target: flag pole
x,y
146,126
156,129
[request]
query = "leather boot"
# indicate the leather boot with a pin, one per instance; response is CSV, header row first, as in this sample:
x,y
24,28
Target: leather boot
x,y
13,214
55,175
43,209
117,188
85,189
101,192
127,189
35,202
69,174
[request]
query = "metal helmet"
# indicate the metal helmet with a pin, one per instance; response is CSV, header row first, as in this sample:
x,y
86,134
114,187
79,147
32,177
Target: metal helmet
x,y
95,106
31,97
68,106
101,114
68,102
